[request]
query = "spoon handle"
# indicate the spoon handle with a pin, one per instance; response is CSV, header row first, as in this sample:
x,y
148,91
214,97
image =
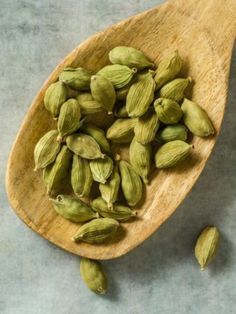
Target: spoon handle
x,y
218,19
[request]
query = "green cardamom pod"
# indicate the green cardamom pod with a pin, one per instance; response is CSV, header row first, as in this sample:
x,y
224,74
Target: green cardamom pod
x,y
207,246
172,153
109,190
81,176
84,146
146,127
101,169
121,131
131,183
118,212
103,92
196,119
140,157
168,69
168,111
121,112
99,136
172,133
76,78
54,97
140,95
129,56
69,118
97,230
88,105
122,92
56,174
93,275
175,89
73,209
118,75
46,149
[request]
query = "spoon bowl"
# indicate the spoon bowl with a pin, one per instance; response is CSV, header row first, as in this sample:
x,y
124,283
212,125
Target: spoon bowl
x,y
206,50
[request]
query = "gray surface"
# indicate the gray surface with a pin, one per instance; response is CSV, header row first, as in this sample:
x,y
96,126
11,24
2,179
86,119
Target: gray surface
x,y
161,276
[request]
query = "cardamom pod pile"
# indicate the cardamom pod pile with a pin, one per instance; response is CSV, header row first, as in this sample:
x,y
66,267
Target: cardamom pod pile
x,y
149,111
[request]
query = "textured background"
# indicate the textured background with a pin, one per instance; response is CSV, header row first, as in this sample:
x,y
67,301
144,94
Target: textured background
x,y
161,276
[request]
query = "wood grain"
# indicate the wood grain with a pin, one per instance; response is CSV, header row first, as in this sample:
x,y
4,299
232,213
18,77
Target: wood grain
x,y
204,33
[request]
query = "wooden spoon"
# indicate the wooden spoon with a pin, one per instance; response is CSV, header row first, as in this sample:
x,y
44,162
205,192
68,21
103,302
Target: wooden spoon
x,y
204,33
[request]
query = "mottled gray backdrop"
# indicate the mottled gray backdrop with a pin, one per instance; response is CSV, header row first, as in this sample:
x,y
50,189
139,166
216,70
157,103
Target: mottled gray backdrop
x,y
161,276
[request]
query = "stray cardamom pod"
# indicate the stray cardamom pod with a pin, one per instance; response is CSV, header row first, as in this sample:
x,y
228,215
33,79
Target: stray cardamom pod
x,y
168,111
168,69
131,183
171,153
129,56
109,190
97,230
88,105
121,131
140,95
84,146
103,92
118,212
140,157
118,75
76,78
93,275
196,119
172,133
175,89
69,118
99,136
73,209
46,149
207,246
56,174
101,169
81,176
54,97
146,127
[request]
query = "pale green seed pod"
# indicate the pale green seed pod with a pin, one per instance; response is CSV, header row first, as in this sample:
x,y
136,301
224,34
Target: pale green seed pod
x,y
131,183
88,105
140,95
109,190
81,176
99,136
172,153
93,275
101,169
76,78
103,92
118,75
121,131
129,56
56,174
175,89
168,69
118,212
97,230
84,146
146,127
55,96
46,150
168,111
172,133
207,246
73,209
196,119
140,157
69,118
